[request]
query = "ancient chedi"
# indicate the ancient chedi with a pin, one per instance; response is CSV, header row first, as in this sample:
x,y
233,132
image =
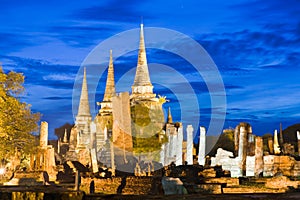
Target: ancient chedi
x,y
83,117
146,109
104,118
80,141
142,87
126,126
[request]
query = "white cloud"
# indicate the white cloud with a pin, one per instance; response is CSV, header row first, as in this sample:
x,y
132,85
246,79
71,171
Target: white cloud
x,y
60,77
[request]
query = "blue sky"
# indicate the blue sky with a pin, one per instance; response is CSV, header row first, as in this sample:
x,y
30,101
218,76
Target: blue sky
x,y
254,44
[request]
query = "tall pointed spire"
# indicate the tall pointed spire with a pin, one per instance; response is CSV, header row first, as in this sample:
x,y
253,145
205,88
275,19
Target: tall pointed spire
x,y
142,59
142,85
110,81
84,106
110,91
170,119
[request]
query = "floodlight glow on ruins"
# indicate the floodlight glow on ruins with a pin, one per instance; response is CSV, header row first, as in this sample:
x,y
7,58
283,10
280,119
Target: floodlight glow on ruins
x,y
2,171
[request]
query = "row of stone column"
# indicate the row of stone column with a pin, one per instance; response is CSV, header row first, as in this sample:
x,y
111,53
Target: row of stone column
x,y
174,148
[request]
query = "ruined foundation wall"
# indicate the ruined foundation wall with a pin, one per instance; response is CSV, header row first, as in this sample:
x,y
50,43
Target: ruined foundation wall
x,y
132,185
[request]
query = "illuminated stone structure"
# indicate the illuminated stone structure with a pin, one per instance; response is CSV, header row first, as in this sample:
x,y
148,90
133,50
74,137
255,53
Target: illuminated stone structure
x,y
63,144
142,87
44,158
44,135
276,143
242,133
202,143
172,150
117,124
81,140
104,119
259,162
189,146
121,135
179,160
298,138
146,109
83,118
271,145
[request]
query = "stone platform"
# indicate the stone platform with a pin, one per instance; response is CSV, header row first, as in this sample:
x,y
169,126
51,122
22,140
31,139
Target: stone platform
x,y
38,193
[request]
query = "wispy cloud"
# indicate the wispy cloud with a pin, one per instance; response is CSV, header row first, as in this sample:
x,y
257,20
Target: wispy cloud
x,y
59,77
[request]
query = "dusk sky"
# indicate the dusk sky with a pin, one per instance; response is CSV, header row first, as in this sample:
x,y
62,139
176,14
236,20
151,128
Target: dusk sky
x,y
254,44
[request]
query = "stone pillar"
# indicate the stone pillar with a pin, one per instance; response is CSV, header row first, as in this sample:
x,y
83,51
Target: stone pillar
x,y
77,180
173,147
298,137
189,146
259,161
179,146
250,165
270,145
58,146
94,160
44,135
242,149
236,140
251,145
167,151
112,160
93,135
171,140
202,142
162,155
49,160
276,144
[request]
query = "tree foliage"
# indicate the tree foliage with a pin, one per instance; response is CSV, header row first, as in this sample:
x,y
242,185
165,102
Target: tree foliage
x,y
225,141
17,122
290,134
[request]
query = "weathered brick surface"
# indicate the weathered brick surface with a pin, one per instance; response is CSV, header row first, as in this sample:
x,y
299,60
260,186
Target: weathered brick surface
x,y
208,188
283,164
224,180
243,190
106,186
132,185
281,182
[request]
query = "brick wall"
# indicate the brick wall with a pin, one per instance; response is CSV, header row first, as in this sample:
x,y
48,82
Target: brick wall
x,y
128,185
